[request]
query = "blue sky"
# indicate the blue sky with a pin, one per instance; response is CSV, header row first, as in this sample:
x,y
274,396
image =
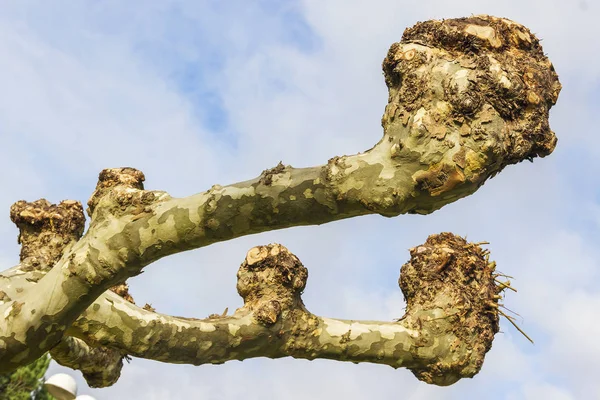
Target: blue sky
x,y
195,93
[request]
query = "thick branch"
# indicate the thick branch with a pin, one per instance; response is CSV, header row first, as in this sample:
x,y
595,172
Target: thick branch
x,y
466,98
448,327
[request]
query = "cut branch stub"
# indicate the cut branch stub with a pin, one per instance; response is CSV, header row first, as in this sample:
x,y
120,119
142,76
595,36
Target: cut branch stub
x,y
271,280
486,70
449,288
467,97
45,230
112,177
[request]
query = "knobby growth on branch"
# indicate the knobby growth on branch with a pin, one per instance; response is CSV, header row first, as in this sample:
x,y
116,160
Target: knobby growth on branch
x,y
467,97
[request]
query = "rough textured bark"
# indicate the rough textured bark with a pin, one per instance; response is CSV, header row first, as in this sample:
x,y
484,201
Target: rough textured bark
x,y
467,97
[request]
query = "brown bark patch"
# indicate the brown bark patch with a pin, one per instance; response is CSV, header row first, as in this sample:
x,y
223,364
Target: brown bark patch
x,y
122,290
266,177
439,179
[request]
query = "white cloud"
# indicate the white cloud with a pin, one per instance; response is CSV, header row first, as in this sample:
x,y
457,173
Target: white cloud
x,y
545,391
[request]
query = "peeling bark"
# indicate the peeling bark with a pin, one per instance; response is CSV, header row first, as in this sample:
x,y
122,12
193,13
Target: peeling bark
x,y
467,97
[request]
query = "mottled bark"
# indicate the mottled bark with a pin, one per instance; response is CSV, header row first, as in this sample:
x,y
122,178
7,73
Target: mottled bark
x,y
466,98
450,320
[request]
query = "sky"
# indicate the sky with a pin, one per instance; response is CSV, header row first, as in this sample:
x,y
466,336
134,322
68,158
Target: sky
x,y
200,92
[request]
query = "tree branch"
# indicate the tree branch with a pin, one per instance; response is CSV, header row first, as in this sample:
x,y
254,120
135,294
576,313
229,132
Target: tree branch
x,y
466,98
448,327
462,105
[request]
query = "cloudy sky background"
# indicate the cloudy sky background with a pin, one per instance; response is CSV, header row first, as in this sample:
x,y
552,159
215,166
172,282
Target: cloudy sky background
x,y
195,93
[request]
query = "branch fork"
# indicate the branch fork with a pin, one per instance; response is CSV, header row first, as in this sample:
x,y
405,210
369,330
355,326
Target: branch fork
x,y
467,97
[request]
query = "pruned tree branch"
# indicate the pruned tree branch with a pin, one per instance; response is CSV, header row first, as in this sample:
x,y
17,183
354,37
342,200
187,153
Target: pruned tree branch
x,y
467,97
448,284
